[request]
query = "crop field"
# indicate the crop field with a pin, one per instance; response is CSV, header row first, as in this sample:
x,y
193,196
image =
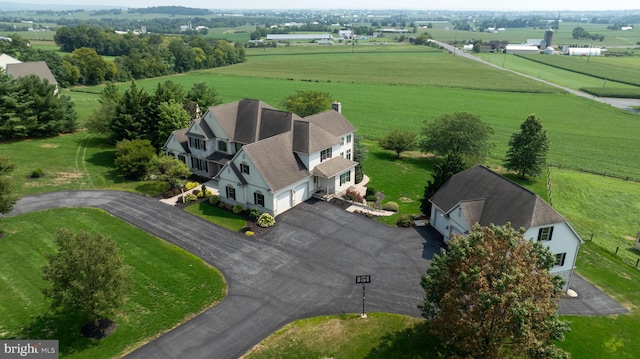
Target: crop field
x,y
584,134
618,69
445,32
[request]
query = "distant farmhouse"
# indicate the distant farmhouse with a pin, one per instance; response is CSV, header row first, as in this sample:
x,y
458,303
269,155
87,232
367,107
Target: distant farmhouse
x,y
479,195
268,159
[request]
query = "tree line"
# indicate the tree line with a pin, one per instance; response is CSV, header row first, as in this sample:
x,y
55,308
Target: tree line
x,y
137,56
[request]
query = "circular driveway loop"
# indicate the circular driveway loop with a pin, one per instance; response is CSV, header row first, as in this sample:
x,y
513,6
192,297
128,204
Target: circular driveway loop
x,y
302,267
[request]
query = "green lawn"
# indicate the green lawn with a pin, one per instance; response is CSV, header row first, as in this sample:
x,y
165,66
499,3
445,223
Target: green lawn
x,y
169,284
217,215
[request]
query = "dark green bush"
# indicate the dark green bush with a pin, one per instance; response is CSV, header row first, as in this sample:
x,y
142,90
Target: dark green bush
x,y
37,173
370,191
237,209
405,220
214,199
372,198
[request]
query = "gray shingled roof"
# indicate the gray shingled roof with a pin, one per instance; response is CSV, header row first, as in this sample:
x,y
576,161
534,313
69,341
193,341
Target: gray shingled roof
x,y
38,68
208,133
332,121
332,167
276,162
219,157
486,198
309,138
248,120
181,136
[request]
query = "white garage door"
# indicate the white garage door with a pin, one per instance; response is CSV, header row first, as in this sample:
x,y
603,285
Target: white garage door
x,y
301,193
283,202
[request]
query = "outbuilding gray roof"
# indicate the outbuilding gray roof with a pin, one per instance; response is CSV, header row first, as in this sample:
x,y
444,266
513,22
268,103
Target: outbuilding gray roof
x,y
38,68
489,198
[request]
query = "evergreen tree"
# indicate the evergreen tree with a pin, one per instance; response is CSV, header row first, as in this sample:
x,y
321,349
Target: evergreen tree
x,y
443,169
102,116
7,199
131,120
359,155
528,148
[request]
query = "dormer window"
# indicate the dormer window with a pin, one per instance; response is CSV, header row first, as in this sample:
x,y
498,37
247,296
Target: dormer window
x,y
325,154
197,144
544,234
244,168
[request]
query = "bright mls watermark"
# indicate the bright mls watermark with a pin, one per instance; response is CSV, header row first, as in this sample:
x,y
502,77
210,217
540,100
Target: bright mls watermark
x,y
40,349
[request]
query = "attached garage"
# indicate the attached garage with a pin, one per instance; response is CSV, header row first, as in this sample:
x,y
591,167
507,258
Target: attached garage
x,y
283,202
301,193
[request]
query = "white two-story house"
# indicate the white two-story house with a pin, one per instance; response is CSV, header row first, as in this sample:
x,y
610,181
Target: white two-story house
x,y
265,158
479,195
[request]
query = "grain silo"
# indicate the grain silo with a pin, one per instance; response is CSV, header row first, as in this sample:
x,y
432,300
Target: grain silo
x,y
548,38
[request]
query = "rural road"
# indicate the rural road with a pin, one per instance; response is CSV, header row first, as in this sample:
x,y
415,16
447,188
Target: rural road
x,y
621,103
303,267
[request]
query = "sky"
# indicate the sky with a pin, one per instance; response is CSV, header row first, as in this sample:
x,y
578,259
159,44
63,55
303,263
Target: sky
x,y
502,5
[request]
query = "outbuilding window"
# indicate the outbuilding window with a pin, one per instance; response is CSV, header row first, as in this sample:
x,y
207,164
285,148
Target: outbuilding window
x,y
544,234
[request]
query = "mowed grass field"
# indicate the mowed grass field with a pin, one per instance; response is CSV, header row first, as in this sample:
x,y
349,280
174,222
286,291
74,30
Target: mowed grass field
x,y
169,285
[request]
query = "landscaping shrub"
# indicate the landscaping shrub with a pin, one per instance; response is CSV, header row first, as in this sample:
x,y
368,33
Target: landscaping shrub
x,y
191,185
249,233
266,220
208,193
372,198
37,173
352,195
190,197
197,192
405,220
254,214
238,208
370,192
391,206
213,199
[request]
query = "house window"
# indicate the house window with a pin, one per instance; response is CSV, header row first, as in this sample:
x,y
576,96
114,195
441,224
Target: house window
x,y
349,139
222,146
197,144
238,146
244,168
199,164
231,192
258,198
342,154
325,154
341,141
560,257
349,154
182,159
345,177
544,234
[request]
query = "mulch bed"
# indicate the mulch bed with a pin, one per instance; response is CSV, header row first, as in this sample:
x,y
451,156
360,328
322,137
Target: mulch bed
x,y
105,328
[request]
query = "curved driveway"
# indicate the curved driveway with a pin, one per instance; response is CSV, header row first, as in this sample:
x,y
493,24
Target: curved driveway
x,y
302,267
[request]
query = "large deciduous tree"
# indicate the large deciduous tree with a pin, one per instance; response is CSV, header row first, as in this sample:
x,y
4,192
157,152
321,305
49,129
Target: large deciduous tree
x,y
398,141
528,148
204,95
460,132
87,274
443,169
307,103
490,295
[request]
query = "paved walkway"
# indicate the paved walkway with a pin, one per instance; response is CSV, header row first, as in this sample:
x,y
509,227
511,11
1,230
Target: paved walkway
x,y
211,185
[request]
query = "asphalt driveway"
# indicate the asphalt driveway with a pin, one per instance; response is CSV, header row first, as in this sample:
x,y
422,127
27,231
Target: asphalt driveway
x,y
303,267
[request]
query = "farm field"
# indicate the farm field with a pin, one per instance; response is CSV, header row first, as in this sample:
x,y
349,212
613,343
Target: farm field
x,y
584,135
162,274
618,69
444,32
